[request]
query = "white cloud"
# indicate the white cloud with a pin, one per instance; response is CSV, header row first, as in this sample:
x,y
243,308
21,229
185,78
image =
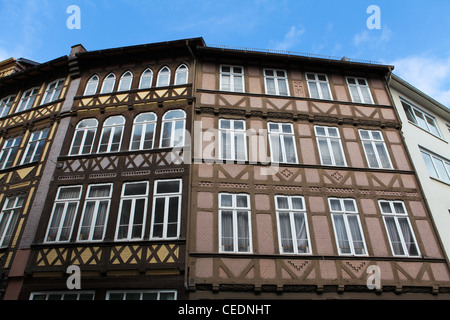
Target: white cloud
x,y
428,74
373,37
290,39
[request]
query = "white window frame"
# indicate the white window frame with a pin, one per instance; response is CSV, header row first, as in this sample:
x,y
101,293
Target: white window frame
x,y
276,79
35,146
9,216
147,73
65,203
92,83
346,214
329,139
104,135
232,134
141,293
130,224
433,168
92,224
292,212
125,81
374,142
166,197
427,120
359,89
234,209
27,96
84,131
318,82
53,91
280,135
182,70
233,76
146,125
165,71
172,122
6,104
9,152
109,79
78,294
396,217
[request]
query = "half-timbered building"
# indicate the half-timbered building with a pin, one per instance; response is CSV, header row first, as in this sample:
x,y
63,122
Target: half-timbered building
x,y
177,170
302,186
32,96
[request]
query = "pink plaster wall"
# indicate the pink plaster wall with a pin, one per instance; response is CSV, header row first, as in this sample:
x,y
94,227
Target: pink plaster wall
x,y
322,235
204,232
428,241
307,151
376,237
264,231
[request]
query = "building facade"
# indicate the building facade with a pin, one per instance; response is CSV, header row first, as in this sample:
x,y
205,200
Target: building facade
x,y
31,100
426,128
176,170
316,195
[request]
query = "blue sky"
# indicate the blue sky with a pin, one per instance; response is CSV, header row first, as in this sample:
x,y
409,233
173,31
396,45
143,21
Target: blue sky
x,y
414,35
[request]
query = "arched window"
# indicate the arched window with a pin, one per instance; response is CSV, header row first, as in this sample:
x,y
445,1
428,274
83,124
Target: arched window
x,y
53,91
181,75
108,83
111,137
163,77
125,81
91,86
143,131
173,128
83,139
146,79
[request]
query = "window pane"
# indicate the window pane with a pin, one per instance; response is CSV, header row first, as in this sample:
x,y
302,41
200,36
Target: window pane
x,y
282,203
243,231
301,233
408,237
227,230
341,234
394,236
285,233
135,189
168,186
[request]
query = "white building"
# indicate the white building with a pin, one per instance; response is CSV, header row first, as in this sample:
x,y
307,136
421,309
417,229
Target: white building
x,y
426,129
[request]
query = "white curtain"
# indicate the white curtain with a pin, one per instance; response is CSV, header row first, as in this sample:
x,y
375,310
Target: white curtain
x,y
243,231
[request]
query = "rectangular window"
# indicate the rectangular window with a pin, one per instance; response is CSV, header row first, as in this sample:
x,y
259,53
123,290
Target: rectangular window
x,y
330,146
438,168
9,152
375,149
132,212
234,223
276,82
359,90
141,295
282,143
293,232
9,217
421,119
347,226
232,142
318,86
35,146
232,78
53,91
95,213
27,100
63,214
166,209
5,105
65,295
401,236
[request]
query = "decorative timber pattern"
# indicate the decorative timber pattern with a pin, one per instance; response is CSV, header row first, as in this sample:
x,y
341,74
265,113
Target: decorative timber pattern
x,y
106,256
